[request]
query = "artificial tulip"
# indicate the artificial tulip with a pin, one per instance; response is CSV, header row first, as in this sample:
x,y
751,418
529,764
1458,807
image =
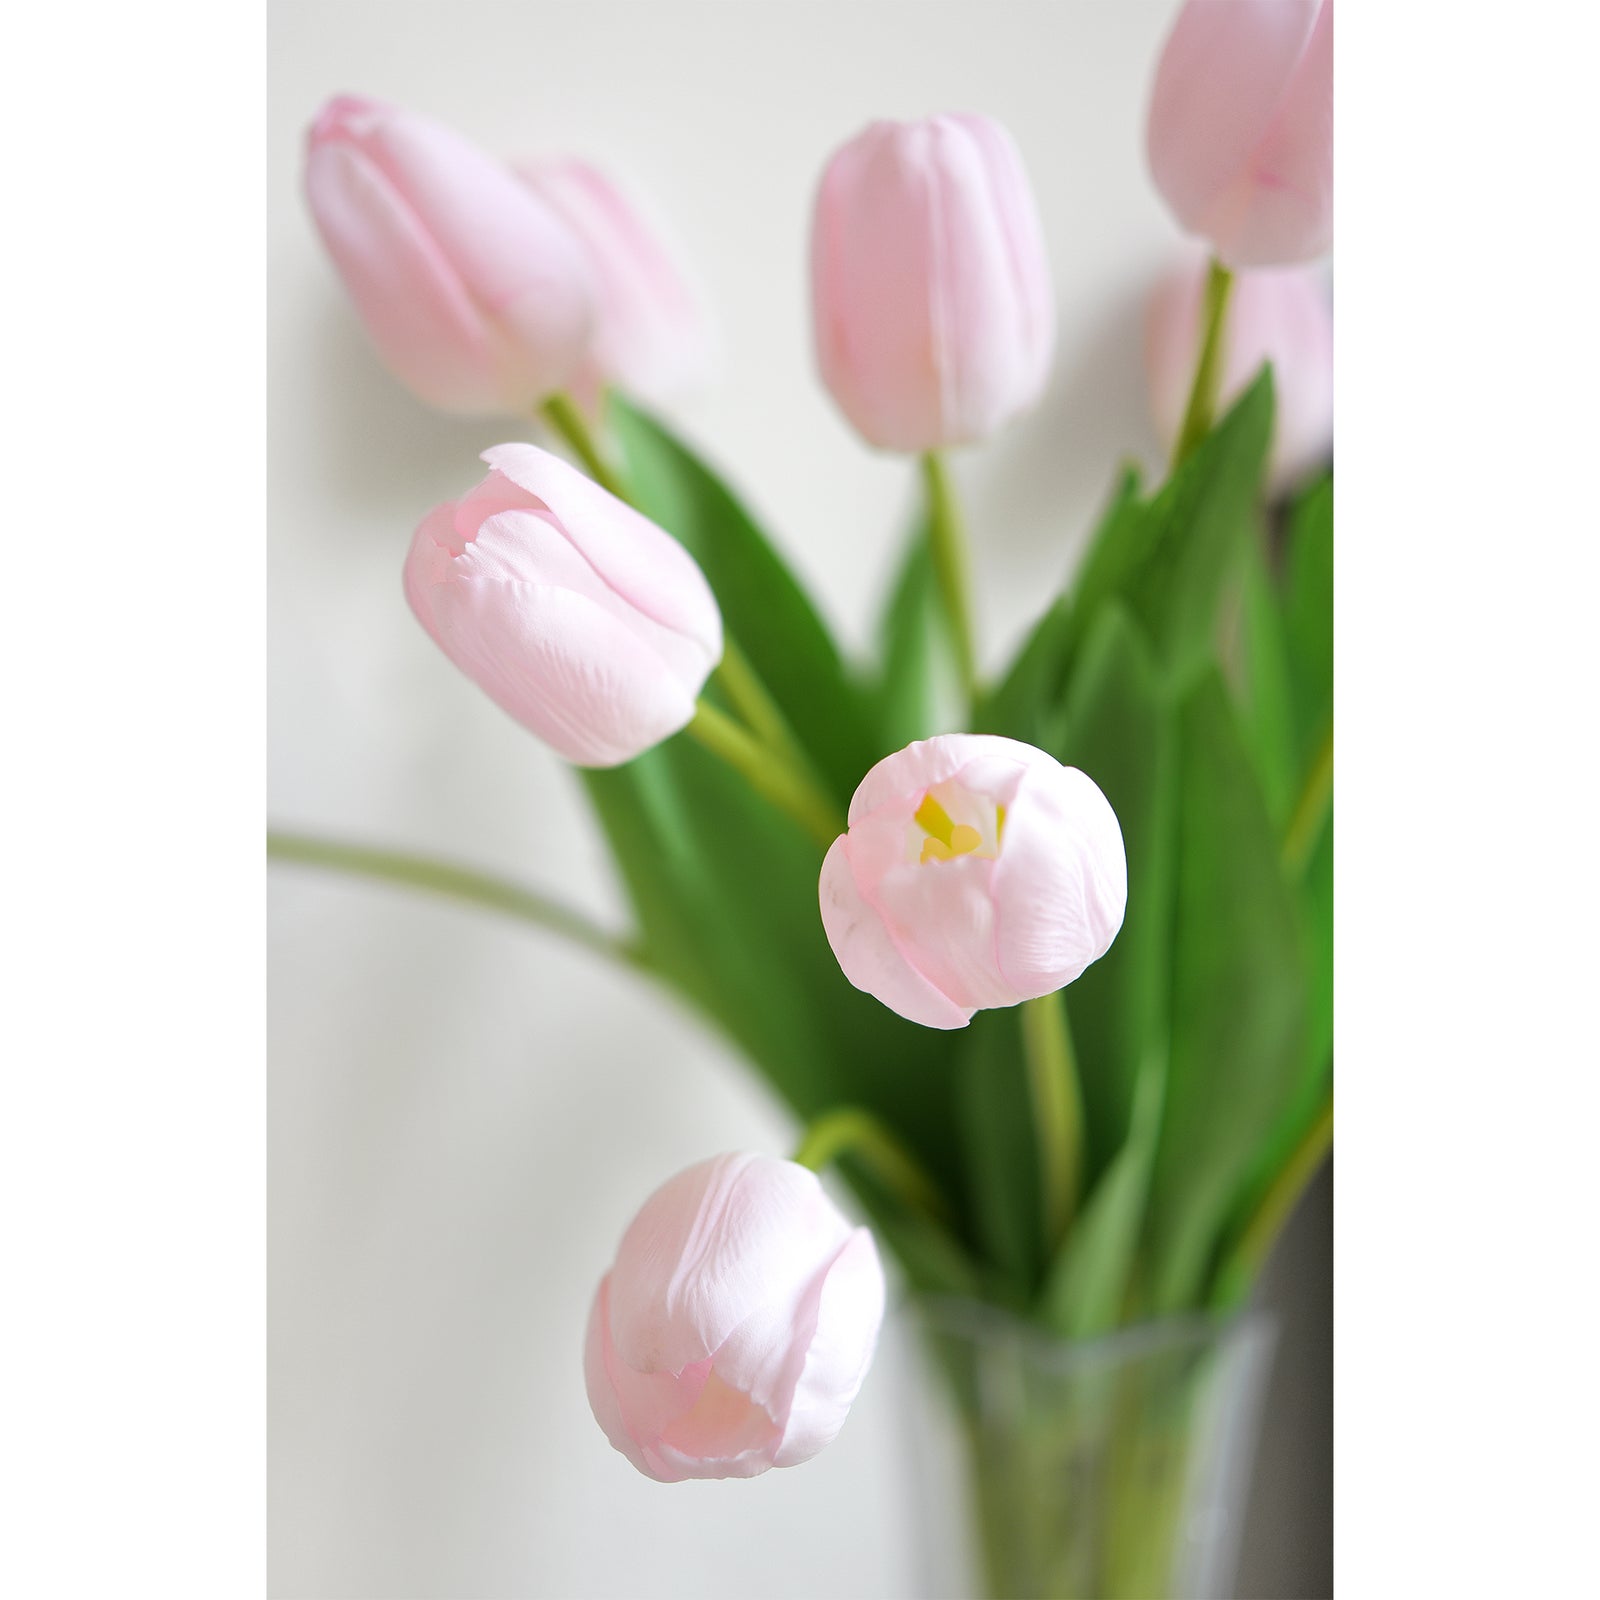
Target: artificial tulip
x,y
474,291
1241,128
734,1329
1282,316
977,872
652,334
933,310
589,624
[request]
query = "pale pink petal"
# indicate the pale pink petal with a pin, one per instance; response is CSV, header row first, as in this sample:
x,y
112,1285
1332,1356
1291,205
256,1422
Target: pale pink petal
x,y
908,774
1061,884
868,954
849,1317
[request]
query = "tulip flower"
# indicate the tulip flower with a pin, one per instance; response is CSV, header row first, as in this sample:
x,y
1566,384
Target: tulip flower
x,y
475,293
976,872
734,1329
652,333
586,622
1279,316
1241,128
933,308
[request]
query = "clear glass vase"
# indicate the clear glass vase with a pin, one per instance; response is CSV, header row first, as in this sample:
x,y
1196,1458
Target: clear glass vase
x,y
1106,1470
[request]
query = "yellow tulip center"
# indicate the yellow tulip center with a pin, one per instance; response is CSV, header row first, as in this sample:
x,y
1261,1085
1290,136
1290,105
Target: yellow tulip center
x,y
946,838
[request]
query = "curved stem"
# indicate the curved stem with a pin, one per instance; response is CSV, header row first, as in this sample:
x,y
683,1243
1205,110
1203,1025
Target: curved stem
x,y
565,417
1310,811
455,883
1247,1257
769,773
750,698
1057,1111
850,1130
947,536
1202,408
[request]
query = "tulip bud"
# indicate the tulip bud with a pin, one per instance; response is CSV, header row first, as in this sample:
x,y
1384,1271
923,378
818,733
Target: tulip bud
x,y
933,308
1279,316
589,624
977,872
734,1329
652,333
474,292
1241,128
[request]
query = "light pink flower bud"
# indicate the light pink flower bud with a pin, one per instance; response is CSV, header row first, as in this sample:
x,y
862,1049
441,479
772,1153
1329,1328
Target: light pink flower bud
x,y
1281,316
652,333
1241,128
589,624
734,1329
474,292
977,872
933,308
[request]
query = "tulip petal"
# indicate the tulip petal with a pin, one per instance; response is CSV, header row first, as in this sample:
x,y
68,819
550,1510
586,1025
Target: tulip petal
x,y
867,951
849,1316
909,773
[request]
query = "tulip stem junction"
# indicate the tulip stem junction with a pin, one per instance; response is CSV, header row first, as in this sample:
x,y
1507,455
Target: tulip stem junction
x,y
568,421
769,771
1248,1256
1202,408
750,697
1057,1110
851,1131
455,883
1310,811
947,537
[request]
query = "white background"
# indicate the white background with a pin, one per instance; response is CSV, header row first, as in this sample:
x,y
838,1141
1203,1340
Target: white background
x,y
465,1115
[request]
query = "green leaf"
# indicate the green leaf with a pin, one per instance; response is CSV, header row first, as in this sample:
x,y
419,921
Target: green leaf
x,y
1238,998
1000,1150
763,606
1308,617
1265,699
1117,728
916,649
1089,1281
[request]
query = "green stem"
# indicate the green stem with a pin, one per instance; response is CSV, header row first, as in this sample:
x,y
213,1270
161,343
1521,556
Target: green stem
x,y
455,883
1202,408
947,537
567,419
850,1130
1247,1257
1057,1111
786,786
1310,811
750,698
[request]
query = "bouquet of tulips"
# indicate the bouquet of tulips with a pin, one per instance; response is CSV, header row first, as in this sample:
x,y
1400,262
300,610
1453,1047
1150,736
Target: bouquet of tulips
x,y
1041,960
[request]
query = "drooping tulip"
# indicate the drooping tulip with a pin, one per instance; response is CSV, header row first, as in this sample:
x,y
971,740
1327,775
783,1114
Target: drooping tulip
x,y
934,314
735,1327
652,335
1282,316
977,872
473,290
590,625
1241,128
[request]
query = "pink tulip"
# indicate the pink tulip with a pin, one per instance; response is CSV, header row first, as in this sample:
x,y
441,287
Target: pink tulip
x,y
652,333
589,624
1279,316
977,872
474,292
933,308
734,1329
1241,128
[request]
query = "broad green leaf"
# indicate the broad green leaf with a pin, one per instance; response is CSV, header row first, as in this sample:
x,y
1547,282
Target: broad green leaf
x,y
1117,728
1000,1149
1238,998
915,648
1308,617
1264,695
763,606
1084,1294
1028,695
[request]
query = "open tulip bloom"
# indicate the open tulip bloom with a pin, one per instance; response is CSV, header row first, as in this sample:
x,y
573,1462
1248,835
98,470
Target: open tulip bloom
x,y
1050,975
